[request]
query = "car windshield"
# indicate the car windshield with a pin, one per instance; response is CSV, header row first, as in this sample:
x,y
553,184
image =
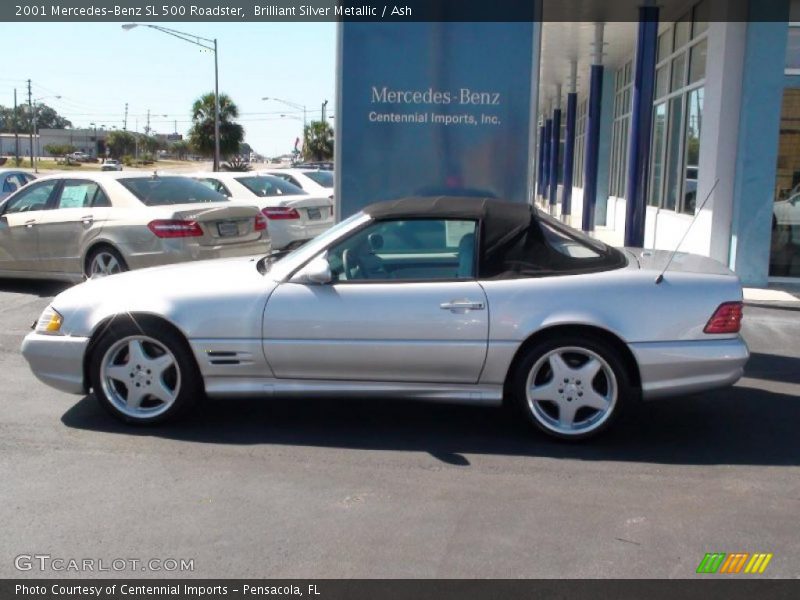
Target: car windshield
x,y
163,191
265,185
323,178
282,268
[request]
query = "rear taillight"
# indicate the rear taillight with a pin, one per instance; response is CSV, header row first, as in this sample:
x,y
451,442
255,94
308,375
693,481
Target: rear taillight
x,y
175,228
280,212
261,223
726,319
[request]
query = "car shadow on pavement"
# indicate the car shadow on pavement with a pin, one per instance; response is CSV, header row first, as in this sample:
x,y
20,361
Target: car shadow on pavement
x,y
773,367
43,289
741,425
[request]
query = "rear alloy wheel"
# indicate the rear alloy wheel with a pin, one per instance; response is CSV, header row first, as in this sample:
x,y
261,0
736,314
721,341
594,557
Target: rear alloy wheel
x,y
573,387
143,374
104,261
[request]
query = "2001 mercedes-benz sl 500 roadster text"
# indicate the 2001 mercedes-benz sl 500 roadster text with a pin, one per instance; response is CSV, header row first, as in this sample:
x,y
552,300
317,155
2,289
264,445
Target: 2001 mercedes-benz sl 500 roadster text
x,y
463,299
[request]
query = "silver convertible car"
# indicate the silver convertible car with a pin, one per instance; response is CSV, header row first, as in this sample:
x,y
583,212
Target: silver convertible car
x,y
442,299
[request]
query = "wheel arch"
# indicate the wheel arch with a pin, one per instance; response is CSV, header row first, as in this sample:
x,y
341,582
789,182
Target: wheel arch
x,y
94,245
130,318
594,331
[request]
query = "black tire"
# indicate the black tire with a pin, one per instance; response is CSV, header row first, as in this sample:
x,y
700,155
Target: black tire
x,y
182,379
544,414
101,251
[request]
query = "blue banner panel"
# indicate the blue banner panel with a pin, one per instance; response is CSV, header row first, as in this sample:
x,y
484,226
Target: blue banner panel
x,y
433,109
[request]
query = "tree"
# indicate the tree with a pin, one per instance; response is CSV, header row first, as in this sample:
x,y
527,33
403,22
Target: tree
x,y
318,141
46,118
201,135
180,149
59,150
121,143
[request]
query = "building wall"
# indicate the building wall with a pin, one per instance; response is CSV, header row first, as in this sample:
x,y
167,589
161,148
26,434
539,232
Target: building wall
x,y
717,127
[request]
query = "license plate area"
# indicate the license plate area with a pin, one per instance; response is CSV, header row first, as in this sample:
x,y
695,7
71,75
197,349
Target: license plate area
x,y
314,214
228,229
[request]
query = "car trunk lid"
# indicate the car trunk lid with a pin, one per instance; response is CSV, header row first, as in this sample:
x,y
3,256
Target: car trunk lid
x,y
221,224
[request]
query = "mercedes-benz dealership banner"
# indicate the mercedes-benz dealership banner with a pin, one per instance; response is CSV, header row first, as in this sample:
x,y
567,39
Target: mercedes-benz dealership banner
x,y
435,109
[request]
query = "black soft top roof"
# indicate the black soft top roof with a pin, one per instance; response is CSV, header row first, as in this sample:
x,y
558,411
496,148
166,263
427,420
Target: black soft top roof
x,y
502,221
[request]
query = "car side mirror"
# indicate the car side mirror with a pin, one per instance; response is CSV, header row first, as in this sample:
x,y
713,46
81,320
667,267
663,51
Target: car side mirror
x,y
318,271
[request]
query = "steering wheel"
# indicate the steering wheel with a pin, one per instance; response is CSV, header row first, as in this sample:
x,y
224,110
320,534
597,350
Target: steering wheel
x,y
351,262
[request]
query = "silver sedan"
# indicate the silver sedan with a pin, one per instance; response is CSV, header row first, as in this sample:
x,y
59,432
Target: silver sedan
x,y
452,299
94,224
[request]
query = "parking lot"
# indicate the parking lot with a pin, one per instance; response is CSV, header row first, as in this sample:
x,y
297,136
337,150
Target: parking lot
x,y
321,488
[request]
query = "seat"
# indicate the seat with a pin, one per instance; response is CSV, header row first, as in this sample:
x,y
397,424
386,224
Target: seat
x,y
466,257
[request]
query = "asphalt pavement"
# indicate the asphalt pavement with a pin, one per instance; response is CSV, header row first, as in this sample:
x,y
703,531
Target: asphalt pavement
x,y
371,488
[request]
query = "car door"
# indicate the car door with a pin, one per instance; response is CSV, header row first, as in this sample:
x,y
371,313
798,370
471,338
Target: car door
x,y
403,305
19,236
80,209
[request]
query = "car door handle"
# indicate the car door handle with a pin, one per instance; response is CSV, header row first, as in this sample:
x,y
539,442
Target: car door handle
x,y
462,305
30,223
88,219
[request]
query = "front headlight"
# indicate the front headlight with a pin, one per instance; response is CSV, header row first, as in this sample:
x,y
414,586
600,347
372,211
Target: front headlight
x,y
50,322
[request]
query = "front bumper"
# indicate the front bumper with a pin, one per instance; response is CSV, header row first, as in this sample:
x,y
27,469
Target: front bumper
x,y
686,367
57,360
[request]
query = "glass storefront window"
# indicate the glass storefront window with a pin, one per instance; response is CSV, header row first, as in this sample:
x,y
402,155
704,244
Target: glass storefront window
x,y
694,121
697,62
664,45
678,72
682,28
785,249
674,162
701,14
662,79
793,48
657,162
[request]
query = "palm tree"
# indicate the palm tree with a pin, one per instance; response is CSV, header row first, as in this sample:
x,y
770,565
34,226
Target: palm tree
x,y
201,136
318,141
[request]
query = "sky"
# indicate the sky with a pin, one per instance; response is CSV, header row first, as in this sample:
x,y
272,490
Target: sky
x,y
97,67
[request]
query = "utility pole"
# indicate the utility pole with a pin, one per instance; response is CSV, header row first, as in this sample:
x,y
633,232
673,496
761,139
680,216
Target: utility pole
x,y
30,107
16,131
125,120
147,127
324,106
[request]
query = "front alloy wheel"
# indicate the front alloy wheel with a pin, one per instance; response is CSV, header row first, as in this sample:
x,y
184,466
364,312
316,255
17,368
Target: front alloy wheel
x,y
144,373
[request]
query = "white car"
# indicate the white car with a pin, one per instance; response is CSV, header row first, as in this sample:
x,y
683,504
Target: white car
x,y
11,180
317,182
293,216
111,164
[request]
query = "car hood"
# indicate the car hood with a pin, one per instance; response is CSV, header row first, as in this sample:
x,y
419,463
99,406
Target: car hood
x,y
213,298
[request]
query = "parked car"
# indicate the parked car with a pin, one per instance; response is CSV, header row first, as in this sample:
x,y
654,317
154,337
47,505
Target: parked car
x,y
12,180
312,181
448,299
294,216
95,224
786,218
111,164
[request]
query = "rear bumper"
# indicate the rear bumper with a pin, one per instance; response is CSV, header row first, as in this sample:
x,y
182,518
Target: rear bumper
x,y
57,360
173,251
675,368
284,232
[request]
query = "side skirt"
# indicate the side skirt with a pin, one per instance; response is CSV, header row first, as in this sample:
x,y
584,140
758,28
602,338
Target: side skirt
x,y
479,394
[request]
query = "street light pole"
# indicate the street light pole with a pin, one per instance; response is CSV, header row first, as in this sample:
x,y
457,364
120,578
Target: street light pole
x,y
35,136
293,105
216,109
207,44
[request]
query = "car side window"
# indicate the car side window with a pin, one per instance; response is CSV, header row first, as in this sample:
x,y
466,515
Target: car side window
x,y
101,199
34,197
78,194
11,184
215,185
409,250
